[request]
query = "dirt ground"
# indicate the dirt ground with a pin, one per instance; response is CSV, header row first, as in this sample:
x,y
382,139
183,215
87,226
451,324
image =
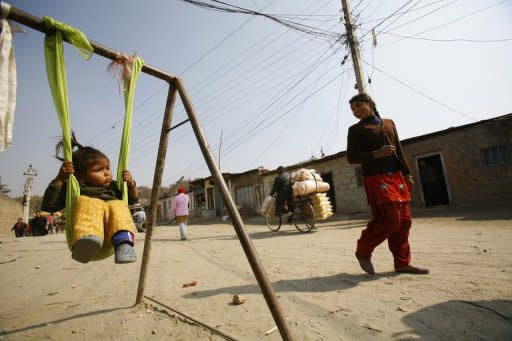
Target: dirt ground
x,y
323,293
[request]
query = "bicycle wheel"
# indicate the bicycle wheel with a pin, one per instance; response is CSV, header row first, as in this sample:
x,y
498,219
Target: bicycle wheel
x,y
273,222
304,216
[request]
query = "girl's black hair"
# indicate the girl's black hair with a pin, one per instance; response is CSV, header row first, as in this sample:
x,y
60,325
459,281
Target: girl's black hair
x,y
367,99
82,157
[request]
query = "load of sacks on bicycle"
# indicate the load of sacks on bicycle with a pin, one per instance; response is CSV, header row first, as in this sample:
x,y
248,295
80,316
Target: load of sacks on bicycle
x,y
302,183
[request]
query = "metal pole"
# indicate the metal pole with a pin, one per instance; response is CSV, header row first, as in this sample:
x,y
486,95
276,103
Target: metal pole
x,y
238,224
157,181
37,24
354,47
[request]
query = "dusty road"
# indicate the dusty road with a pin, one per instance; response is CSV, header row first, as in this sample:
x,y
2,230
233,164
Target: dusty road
x,y
323,293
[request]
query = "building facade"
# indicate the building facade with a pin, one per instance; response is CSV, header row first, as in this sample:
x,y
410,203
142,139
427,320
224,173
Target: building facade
x,y
465,165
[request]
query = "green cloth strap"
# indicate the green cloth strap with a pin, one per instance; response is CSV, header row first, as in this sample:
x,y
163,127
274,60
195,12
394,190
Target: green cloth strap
x,y
56,72
76,37
129,96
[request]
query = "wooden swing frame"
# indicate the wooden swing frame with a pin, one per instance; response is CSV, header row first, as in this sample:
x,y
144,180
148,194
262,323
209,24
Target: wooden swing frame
x,y
176,86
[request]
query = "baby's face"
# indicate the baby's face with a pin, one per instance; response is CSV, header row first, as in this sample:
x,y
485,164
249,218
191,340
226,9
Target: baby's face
x,y
99,173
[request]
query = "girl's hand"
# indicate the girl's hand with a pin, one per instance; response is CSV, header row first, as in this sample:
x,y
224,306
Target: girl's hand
x,y
410,179
384,151
127,176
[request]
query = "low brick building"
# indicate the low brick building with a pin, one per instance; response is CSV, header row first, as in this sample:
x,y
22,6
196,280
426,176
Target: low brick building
x,y
465,165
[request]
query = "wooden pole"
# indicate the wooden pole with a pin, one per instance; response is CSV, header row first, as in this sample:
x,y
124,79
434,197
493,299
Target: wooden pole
x,y
38,24
243,236
157,181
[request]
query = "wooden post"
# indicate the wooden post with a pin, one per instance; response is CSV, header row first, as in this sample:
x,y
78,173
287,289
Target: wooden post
x,y
37,24
157,181
243,236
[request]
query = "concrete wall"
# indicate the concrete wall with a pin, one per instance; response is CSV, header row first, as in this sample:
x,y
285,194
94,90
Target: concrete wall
x,y
350,197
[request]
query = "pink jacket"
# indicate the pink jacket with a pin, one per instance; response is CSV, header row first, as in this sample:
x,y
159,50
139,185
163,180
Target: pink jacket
x,y
179,205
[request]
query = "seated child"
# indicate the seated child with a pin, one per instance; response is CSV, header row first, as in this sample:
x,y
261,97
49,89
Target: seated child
x,y
98,216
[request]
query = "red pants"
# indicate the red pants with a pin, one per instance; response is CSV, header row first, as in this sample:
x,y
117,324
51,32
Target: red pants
x,y
391,221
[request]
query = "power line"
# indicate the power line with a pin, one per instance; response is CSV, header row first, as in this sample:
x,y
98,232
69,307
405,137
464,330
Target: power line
x,y
422,16
462,40
400,15
451,22
256,72
423,94
241,57
388,17
230,8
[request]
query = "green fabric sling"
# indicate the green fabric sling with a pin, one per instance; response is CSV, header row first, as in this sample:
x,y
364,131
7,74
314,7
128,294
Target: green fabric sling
x,y
57,80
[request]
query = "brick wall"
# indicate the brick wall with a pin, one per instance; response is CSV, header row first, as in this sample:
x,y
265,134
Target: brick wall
x,y
468,178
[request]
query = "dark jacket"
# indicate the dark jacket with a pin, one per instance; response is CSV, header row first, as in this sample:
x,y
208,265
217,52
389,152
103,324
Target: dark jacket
x,y
282,186
367,136
19,229
54,198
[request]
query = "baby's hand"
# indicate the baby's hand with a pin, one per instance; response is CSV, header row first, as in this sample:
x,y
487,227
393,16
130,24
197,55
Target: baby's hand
x,y
65,170
127,176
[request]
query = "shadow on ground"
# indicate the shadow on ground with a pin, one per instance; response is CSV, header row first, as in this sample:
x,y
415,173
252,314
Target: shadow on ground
x,y
73,317
336,282
478,320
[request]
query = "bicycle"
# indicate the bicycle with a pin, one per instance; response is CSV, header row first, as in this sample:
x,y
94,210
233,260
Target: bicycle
x,y
303,217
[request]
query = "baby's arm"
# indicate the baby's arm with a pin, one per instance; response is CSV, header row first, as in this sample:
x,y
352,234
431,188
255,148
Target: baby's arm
x,y
65,170
133,192
54,198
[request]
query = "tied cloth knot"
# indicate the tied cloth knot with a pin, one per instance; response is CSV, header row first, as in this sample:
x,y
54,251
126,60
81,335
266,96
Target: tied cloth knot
x,y
121,68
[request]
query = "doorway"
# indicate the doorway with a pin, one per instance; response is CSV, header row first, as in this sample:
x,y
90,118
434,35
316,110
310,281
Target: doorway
x,y
209,198
327,177
433,183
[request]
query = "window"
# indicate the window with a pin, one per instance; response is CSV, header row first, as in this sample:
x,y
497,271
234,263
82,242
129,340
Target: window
x,y
498,155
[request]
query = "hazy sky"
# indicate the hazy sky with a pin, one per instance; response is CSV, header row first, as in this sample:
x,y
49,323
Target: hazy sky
x,y
276,95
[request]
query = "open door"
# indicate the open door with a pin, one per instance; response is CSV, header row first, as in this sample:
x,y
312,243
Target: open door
x,y
327,177
433,181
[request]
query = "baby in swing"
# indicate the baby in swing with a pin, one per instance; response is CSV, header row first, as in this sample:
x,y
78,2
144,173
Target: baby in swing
x,y
100,219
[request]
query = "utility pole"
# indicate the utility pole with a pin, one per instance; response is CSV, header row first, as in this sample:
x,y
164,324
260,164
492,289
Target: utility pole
x,y
354,47
30,173
220,144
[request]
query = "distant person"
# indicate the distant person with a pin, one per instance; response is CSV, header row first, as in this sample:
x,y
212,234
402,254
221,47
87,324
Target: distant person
x,y
373,142
20,228
50,223
38,225
139,217
179,208
99,216
282,188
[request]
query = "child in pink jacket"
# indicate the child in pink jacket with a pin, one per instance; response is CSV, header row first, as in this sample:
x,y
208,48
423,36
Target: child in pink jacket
x,y
179,207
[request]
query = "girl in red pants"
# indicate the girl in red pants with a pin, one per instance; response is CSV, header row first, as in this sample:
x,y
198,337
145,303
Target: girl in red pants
x,y
373,142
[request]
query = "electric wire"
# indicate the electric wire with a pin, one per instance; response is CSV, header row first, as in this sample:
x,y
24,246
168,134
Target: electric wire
x,y
423,94
450,22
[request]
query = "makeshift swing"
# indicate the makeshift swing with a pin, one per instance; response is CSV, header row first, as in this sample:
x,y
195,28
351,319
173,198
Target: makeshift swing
x,y
56,71
176,86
